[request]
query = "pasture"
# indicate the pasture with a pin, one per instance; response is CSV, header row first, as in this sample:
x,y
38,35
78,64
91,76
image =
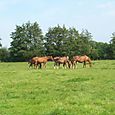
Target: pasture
x,y
49,91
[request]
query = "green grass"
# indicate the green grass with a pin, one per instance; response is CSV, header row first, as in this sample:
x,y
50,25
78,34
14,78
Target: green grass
x,y
81,91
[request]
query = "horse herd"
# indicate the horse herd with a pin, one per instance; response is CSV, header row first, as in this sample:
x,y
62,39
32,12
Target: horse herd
x,y
39,62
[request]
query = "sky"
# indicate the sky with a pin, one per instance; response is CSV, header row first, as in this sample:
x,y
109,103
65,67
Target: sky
x,y
97,16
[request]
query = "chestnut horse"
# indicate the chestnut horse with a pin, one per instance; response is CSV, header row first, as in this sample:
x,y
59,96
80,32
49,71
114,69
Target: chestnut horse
x,y
32,62
43,60
40,60
61,60
81,59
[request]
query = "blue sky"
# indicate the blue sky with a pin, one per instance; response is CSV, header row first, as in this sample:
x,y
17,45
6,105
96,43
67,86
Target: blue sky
x,y
97,16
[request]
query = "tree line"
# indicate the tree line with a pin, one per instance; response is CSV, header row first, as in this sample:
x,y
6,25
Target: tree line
x,y
28,41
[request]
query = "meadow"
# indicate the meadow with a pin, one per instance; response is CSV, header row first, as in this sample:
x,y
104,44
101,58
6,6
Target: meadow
x,y
49,91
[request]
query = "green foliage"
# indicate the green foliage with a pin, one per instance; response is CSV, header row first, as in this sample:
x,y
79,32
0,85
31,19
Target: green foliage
x,y
84,43
0,43
4,54
60,41
72,44
27,42
55,41
100,50
81,91
112,45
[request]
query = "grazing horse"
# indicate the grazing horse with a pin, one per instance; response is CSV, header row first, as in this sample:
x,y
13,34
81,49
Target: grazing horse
x,y
32,62
42,60
81,59
61,60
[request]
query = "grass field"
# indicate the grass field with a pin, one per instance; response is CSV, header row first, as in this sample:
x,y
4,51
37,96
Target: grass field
x,y
81,91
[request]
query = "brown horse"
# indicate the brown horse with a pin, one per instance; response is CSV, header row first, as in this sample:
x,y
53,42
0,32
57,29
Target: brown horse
x,y
61,60
81,59
42,60
32,62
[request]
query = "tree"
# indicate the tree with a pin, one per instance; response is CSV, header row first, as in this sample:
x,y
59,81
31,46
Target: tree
x,y
72,42
94,54
103,50
84,43
4,54
61,41
27,41
0,43
55,40
112,46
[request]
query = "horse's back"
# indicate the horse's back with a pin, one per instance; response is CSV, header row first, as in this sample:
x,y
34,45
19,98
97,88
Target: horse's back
x,y
41,59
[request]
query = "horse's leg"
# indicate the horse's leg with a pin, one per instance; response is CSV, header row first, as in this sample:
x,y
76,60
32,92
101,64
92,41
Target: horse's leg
x,y
35,64
84,64
64,65
58,65
69,64
76,64
44,65
40,65
55,64
72,64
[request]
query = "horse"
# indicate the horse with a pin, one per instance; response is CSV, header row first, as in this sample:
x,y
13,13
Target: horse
x,y
81,59
61,60
32,62
42,60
